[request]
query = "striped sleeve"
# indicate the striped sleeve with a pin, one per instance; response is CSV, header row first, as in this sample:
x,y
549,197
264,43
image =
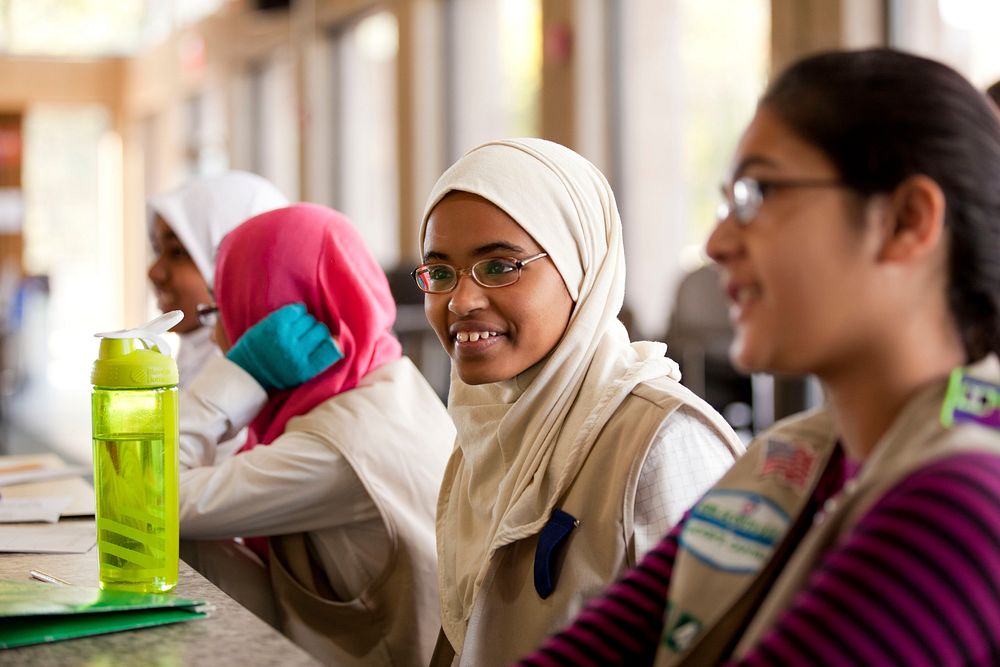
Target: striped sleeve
x,y
623,626
916,583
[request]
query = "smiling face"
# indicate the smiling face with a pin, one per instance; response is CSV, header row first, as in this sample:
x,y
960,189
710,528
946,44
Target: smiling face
x,y
494,333
802,275
178,282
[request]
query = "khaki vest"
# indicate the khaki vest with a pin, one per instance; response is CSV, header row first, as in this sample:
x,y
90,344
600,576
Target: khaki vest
x,y
397,436
728,586
509,618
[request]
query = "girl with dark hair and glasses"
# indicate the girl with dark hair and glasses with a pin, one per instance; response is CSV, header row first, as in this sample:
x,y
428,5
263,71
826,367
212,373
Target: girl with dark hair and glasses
x,y
576,449
860,241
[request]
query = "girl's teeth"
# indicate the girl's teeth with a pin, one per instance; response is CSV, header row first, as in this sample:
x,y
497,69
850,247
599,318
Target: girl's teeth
x,y
472,336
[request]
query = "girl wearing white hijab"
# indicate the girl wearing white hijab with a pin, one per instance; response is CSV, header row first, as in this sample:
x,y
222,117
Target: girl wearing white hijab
x,y
186,226
576,449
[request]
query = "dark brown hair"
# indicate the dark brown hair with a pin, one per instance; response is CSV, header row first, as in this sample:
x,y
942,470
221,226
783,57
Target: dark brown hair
x,y
882,116
994,93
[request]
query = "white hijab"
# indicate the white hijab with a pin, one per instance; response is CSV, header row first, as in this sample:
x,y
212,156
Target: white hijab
x,y
203,210
521,442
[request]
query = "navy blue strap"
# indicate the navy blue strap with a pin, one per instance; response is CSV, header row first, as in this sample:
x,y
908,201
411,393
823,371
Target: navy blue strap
x,y
552,537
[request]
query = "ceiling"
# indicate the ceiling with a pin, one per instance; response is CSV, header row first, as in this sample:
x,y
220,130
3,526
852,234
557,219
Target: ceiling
x,y
93,28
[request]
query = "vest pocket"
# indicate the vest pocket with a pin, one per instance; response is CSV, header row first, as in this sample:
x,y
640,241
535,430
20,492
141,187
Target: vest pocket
x,y
309,612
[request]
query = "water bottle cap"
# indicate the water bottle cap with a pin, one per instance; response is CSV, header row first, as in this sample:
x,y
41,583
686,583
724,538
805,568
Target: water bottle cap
x,y
137,358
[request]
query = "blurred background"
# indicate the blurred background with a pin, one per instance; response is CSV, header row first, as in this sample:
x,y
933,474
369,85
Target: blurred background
x,y
360,105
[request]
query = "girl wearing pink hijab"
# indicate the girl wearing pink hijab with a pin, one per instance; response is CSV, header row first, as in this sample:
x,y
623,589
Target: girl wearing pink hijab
x,y
339,472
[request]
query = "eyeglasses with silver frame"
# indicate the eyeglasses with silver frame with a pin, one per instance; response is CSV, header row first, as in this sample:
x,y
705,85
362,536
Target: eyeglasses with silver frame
x,y
208,314
440,278
745,196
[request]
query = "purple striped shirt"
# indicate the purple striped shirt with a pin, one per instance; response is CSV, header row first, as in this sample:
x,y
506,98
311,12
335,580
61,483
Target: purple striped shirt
x,y
917,582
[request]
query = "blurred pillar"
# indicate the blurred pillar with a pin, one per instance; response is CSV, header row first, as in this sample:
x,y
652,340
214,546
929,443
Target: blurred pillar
x,y
558,93
595,36
303,38
800,27
406,127
421,112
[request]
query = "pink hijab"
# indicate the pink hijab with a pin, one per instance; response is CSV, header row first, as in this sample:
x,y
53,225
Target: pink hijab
x,y
314,255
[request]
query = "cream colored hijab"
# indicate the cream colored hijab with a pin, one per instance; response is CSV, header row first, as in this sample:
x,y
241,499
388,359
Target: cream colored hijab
x,y
521,442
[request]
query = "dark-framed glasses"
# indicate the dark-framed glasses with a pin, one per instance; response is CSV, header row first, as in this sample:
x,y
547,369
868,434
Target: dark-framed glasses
x,y
492,272
744,197
208,314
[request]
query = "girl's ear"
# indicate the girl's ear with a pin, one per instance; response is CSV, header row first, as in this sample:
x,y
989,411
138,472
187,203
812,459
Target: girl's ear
x,y
912,220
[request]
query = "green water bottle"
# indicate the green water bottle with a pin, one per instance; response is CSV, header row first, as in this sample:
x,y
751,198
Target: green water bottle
x,y
134,416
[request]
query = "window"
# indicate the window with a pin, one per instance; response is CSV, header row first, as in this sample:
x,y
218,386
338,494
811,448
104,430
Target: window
x,y
204,134
495,65
74,235
81,28
687,75
274,122
365,151
961,33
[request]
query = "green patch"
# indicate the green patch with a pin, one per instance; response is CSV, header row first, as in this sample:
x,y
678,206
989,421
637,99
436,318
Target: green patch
x,y
682,634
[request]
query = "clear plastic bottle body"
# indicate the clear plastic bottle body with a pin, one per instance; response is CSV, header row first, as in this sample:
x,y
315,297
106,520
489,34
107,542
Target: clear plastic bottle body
x,y
136,477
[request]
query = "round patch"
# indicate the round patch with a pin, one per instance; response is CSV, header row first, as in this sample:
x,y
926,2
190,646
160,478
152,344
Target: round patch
x,y
734,531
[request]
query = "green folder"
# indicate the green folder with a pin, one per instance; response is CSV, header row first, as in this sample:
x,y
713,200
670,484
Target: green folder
x,y
34,613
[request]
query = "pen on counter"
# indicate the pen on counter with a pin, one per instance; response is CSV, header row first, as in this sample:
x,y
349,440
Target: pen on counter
x,y
19,467
47,578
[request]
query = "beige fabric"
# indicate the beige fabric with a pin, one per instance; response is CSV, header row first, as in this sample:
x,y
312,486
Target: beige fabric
x,y
522,442
720,603
397,436
914,440
509,619
708,601
235,569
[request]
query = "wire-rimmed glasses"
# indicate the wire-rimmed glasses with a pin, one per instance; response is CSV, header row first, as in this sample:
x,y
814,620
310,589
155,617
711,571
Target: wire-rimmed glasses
x,y
744,197
439,278
208,314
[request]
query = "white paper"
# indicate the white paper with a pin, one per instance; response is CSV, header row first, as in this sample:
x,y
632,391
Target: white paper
x,y
21,476
37,508
45,465
66,537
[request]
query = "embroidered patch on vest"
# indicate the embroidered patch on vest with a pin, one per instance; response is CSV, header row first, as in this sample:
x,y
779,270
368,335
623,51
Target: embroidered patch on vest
x,y
552,537
682,634
733,531
970,399
787,463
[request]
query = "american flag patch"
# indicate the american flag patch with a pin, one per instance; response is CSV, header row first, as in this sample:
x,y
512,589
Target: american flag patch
x,y
787,463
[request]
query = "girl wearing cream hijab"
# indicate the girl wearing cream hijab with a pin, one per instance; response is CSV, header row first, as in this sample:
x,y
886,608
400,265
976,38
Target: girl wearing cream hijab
x,y
576,449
